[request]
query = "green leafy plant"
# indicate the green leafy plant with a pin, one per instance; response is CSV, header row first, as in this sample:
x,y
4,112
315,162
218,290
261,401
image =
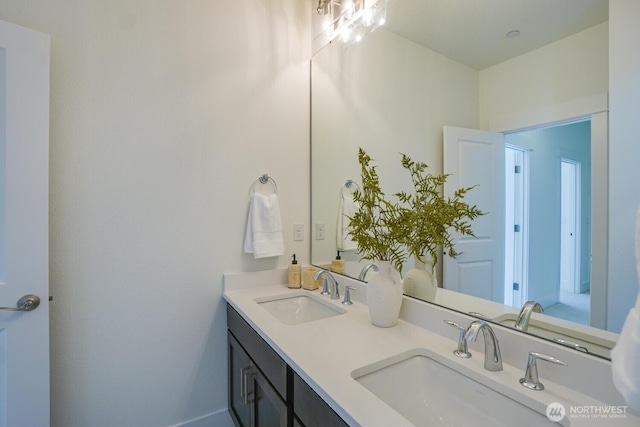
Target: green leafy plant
x,y
421,221
430,217
378,226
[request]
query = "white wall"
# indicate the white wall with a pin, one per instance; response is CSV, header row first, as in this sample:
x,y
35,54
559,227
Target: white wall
x,y
358,91
570,69
624,153
163,113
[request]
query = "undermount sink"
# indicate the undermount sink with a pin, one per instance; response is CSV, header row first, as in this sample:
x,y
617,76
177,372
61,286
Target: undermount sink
x,y
293,309
590,343
428,393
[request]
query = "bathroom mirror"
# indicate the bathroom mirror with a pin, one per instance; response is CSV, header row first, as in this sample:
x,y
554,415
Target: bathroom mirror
x,y
441,63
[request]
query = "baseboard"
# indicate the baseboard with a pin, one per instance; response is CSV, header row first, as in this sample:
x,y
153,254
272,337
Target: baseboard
x,y
585,286
215,419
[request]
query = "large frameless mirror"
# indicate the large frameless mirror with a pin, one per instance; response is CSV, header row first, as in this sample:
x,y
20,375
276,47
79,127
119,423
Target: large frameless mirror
x,y
536,73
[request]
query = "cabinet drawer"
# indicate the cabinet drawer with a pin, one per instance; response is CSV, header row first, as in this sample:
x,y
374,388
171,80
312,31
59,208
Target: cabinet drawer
x,y
311,409
271,365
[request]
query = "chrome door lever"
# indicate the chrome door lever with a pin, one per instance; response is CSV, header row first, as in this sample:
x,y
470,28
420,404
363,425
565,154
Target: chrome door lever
x,y
26,303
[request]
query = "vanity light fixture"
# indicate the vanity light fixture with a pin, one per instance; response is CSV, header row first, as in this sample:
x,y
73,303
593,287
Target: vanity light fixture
x,y
351,20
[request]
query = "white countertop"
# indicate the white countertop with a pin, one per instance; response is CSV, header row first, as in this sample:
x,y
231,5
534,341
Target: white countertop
x,y
325,352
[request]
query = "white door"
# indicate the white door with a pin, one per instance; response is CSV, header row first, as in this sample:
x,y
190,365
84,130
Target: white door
x,y
569,229
24,257
476,158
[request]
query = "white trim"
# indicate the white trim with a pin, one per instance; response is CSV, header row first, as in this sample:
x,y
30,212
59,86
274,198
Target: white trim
x,y
599,217
215,419
523,278
568,111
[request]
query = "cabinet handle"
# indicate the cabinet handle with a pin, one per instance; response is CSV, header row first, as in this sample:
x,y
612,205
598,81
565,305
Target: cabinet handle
x,y
250,397
246,392
243,383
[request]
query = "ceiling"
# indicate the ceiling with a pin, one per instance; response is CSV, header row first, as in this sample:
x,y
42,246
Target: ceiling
x,y
473,32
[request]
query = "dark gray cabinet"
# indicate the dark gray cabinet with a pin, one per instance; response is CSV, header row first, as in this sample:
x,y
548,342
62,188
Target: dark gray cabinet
x,y
263,390
252,399
310,409
257,378
240,404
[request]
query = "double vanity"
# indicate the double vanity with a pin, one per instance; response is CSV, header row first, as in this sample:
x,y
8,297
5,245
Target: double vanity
x,y
301,358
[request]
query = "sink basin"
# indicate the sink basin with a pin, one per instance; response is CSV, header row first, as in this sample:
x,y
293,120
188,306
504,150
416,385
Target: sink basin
x,y
428,393
293,309
593,344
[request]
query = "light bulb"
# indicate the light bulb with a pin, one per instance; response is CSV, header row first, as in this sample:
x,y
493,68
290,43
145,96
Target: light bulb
x,y
349,8
326,23
367,18
346,35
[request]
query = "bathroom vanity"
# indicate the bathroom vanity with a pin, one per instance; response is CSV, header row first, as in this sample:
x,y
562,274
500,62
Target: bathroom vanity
x,y
263,389
298,358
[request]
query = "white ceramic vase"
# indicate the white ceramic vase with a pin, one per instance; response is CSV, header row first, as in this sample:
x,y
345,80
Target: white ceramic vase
x,y
384,295
421,282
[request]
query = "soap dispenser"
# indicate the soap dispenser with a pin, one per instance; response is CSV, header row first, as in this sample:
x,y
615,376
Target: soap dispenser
x,y
337,265
295,272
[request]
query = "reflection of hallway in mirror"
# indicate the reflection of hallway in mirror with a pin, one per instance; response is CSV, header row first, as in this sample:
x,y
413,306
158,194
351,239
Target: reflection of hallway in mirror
x,y
557,270
571,306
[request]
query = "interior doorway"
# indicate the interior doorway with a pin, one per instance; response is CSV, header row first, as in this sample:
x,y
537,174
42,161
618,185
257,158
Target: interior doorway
x,y
547,252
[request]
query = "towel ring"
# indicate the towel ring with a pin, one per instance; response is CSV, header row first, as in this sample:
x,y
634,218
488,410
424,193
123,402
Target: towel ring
x,y
348,184
264,179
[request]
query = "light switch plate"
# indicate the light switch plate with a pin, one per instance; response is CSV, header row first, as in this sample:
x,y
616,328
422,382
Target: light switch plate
x,y
319,230
298,232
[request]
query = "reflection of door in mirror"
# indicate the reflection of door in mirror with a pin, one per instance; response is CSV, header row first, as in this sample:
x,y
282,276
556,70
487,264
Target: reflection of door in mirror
x,y
476,158
570,236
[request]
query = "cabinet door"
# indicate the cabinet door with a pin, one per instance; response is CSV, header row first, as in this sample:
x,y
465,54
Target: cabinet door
x,y
271,365
269,409
310,409
240,370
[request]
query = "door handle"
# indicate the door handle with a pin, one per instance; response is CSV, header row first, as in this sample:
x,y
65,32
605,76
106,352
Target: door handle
x,y
26,303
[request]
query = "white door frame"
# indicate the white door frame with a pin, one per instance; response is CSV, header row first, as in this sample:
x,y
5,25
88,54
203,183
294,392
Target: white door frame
x,y
517,250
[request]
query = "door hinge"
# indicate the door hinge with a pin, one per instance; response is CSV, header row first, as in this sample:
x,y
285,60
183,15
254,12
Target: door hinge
x,y
516,286
517,169
516,228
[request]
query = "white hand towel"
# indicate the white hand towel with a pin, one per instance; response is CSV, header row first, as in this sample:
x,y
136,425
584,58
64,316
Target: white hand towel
x,y
624,356
264,227
347,208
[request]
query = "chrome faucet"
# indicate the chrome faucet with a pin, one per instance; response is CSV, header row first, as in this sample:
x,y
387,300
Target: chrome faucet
x,y
330,285
365,270
492,357
522,323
